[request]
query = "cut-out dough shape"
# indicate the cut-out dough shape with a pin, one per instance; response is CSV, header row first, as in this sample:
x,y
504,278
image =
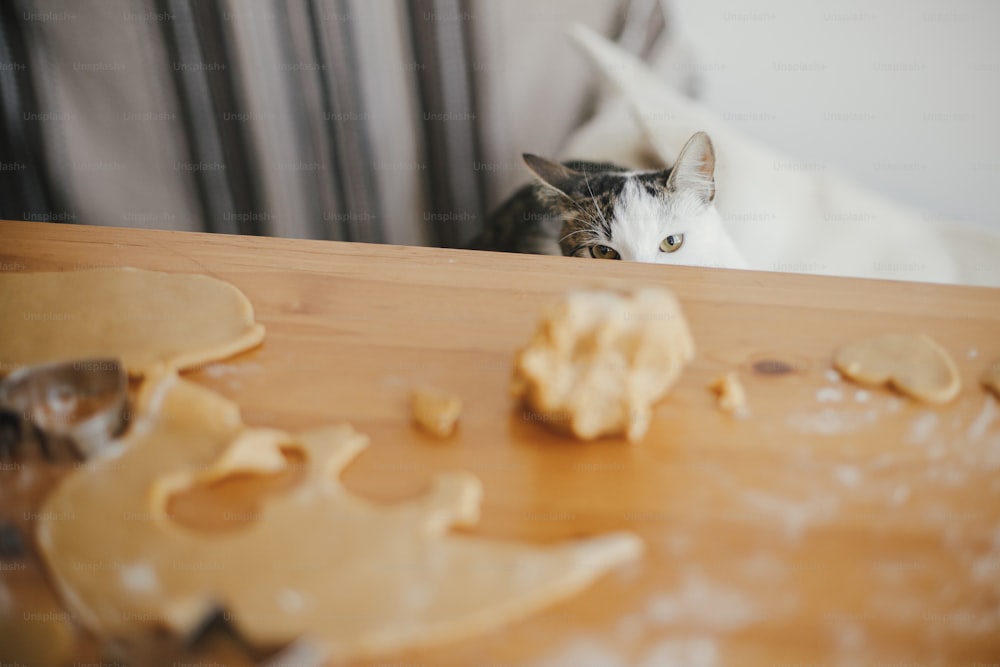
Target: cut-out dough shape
x,y
729,392
144,318
436,411
912,363
357,578
991,378
600,359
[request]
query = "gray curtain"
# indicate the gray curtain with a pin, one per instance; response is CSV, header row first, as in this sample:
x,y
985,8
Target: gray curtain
x,y
358,120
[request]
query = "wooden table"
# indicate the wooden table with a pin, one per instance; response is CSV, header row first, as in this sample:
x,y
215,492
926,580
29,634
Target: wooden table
x,y
832,526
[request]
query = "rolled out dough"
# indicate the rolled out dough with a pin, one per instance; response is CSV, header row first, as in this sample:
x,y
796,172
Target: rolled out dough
x,y
144,318
600,359
912,363
359,579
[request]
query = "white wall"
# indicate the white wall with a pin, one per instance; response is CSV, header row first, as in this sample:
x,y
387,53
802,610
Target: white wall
x,y
903,95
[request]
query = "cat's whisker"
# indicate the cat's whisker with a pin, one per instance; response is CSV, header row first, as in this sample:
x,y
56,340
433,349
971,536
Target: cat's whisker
x,y
604,222
574,233
588,217
593,235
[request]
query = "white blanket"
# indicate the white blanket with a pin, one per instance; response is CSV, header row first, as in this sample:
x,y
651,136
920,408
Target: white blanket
x,y
784,215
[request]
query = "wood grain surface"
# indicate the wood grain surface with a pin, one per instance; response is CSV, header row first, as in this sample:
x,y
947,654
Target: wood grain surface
x,y
833,525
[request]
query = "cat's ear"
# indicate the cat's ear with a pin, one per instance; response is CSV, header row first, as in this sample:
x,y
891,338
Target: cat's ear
x,y
553,174
695,168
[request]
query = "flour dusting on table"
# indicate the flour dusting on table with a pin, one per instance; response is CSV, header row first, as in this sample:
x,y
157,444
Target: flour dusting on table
x,y
683,652
705,602
848,476
584,652
794,514
830,421
979,426
829,395
922,427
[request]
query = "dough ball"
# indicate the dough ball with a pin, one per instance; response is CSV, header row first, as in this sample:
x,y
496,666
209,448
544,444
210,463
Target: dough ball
x,y
600,359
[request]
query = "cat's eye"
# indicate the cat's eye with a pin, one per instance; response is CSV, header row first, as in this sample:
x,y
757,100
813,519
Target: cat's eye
x,y
604,252
672,243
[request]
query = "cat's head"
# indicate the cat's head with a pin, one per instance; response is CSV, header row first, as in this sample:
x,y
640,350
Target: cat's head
x,y
663,217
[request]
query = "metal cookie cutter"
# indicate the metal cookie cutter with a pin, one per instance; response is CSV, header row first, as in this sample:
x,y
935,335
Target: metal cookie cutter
x,y
76,407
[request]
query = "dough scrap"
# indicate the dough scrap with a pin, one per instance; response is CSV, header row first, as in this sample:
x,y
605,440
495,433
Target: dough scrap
x,y
600,359
436,411
145,318
359,579
731,397
991,378
912,363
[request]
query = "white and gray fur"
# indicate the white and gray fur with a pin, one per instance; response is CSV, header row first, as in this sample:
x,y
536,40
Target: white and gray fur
x,y
587,209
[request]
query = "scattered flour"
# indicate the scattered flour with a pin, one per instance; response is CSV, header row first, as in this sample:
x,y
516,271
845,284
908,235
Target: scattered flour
x,y
630,628
832,375
947,474
883,461
986,569
849,476
979,426
831,422
683,652
973,353
847,635
584,652
967,622
220,370
829,395
695,651
794,514
678,544
897,605
704,602
762,566
140,578
921,428
290,601
862,396
954,476
900,495
697,600
393,381
990,457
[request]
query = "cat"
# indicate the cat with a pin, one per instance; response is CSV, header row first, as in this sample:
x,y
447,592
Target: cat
x,y
604,211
